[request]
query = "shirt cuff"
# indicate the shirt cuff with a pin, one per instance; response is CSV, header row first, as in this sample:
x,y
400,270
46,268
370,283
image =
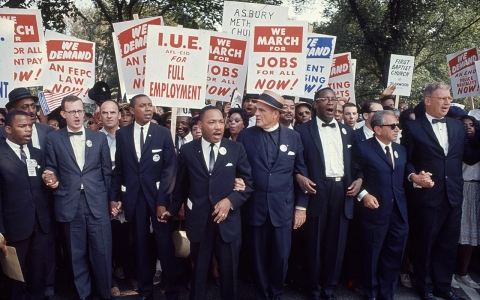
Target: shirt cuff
x,y
300,208
361,195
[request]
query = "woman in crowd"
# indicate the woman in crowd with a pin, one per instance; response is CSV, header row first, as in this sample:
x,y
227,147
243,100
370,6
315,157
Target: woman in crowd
x,y
3,113
237,120
194,129
126,116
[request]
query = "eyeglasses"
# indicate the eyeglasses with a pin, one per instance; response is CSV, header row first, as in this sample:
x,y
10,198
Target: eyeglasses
x,y
373,111
443,99
324,100
403,107
237,120
90,122
392,126
301,113
2,120
53,125
75,112
168,121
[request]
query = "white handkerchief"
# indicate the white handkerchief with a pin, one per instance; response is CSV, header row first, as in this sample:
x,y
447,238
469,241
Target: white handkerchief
x,y
349,146
156,150
158,185
229,165
189,204
291,153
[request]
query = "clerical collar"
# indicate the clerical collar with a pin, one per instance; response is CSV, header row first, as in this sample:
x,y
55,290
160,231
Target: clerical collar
x,y
271,129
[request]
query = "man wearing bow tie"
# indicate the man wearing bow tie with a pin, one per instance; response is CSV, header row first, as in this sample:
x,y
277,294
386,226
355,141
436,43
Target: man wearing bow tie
x,y
436,144
80,159
330,188
383,211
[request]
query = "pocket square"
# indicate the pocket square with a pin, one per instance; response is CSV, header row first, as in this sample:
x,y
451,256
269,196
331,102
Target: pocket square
x,y
349,146
229,165
156,150
291,153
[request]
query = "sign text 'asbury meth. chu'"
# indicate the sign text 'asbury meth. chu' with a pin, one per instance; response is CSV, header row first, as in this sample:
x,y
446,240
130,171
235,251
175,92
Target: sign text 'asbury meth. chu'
x,y
178,79
463,74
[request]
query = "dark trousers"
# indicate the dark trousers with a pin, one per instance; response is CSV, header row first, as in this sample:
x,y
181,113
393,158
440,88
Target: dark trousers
x,y
435,246
32,256
51,259
89,243
227,256
383,242
140,232
269,248
327,236
123,250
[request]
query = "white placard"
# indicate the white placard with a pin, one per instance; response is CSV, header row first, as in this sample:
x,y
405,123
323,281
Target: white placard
x,y
177,66
463,74
341,77
7,30
400,73
319,62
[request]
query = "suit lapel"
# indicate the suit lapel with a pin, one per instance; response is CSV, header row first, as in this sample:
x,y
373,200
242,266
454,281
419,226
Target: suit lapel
x,y
10,154
427,126
68,145
131,134
313,127
283,140
260,144
88,137
452,134
199,154
148,139
343,134
220,157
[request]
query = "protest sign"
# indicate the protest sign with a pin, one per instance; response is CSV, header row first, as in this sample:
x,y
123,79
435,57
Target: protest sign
x,y
29,55
179,78
463,74
400,73
277,58
130,52
238,16
319,62
236,101
6,59
70,67
227,66
341,77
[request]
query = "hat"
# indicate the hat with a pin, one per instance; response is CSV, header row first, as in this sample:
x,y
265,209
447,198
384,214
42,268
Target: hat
x,y
184,112
308,100
272,99
250,96
287,97
298,104
19,94
100,92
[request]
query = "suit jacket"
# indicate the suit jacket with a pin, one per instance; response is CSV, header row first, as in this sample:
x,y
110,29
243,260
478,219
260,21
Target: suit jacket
x,y
42,130
359,135
315,161
380,179
154,174
425,153
95,175
22,196
205,190
274,188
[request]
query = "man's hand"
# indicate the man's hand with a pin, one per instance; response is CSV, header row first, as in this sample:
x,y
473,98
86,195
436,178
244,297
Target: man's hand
x,y
354,188
388,91
160,214
239,185
165,216
299,218
181,212
370,201
423,179
3,245
305,184
50,179
115,208
221,210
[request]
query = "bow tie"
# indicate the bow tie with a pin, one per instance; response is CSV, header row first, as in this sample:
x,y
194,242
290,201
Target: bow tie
x,y
332,125
75,133
435,121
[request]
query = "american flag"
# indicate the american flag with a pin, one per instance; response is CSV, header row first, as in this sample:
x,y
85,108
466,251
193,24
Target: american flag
x,y
49,101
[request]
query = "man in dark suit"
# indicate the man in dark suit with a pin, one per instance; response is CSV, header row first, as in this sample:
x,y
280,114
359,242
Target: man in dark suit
x,y
331,188
24,205
365,132
207,169
145,163
383,215
21,99
275,154
80,159
435,144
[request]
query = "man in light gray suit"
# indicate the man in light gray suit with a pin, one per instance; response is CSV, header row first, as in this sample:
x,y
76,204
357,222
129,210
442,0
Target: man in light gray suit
x,y
80,159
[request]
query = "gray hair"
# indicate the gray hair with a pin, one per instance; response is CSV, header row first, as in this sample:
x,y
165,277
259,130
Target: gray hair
x,y
377,119
432,87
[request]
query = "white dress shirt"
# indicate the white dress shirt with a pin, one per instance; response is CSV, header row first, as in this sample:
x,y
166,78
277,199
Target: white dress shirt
x,y
368,132
252,121
185,140
112,144
35,139
440,130
78,145
206,151
332,145
136,137
16,149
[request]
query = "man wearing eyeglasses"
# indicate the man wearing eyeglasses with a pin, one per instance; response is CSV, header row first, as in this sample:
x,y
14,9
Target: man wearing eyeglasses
x,y
331,188
383,213
369,108
436,144
303,113
80,160
21,99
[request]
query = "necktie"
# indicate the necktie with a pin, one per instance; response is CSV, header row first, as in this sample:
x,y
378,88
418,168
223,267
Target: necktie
x,y
23,156
142,141
332,125
75,133
389,157
435,121
212,159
